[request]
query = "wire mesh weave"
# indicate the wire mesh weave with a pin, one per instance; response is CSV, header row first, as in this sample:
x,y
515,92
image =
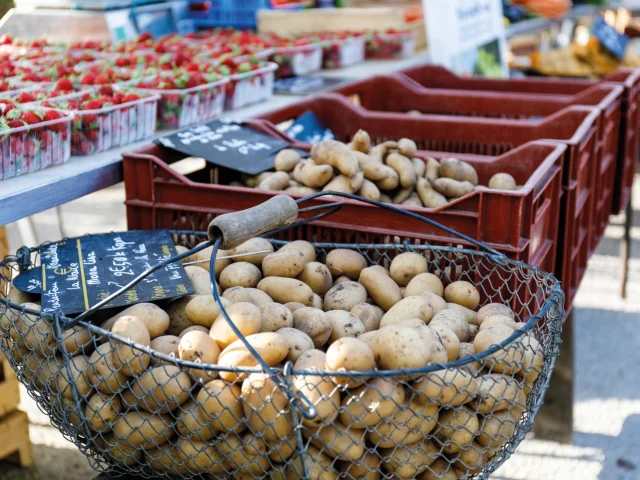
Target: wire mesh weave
x,y
134,410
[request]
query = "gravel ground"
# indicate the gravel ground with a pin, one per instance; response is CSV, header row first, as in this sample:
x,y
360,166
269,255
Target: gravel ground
x,y
607,386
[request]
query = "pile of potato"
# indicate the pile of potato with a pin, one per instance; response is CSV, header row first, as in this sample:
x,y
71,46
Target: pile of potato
x,y
332,313
388,172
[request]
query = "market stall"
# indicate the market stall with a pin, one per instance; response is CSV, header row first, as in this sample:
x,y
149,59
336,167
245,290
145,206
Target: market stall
x,y
369,276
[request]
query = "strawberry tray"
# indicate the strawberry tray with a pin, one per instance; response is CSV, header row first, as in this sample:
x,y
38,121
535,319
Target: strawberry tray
x,y
299,60
385,46
339,53
250,87
36,146
179,108
95,130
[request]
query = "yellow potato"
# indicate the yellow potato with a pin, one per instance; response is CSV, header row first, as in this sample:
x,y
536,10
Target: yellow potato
x,y
318,466
189,423
495,393
428,195
469,315
345,262
403,166
161,389
369,315
245,316
463,293
198,457
437,303
406,266
506,360
273,348
307,249
299,342
493,309
382,289
454,321
311,359
343,324
33,332
496,430
338,441
165,459
365,468
401,348
457,429
286,160
203,309
451,188
311,175
450,387
102,411
410,307
293,306
449,339
433,169
406,461
458,170
221,407
274,317
77,340
50,373
472,459
194,328
287,263
240,274
247,251
499,320
371,403
439,470
266,407
143,429
317,302
104,374
317,276
466,351
200,277
120,450
284,290
129,360
344,296
502,181
250,295
361,142
349,354
177,312
407,147
320,391
200,348
423,282
335,154
410,423
245,455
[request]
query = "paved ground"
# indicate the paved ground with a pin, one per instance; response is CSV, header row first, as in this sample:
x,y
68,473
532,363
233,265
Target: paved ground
x,y
607,388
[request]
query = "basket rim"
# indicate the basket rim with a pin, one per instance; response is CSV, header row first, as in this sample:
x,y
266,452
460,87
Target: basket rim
x,y
554,298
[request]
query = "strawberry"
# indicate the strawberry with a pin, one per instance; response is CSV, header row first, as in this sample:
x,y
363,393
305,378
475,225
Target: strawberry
x,y
92,105
106,90
130,97
64,84
52,115
118,97
88,79
92,135
16,123
26,97
100,80
30,117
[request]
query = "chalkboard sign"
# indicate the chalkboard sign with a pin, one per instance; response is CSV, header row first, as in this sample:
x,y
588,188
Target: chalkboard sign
x,y
609,37
227,144
309,129
306,85
76,274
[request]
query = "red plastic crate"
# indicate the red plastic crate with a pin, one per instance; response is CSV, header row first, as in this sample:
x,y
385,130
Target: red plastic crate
x,y
438,136
629,78
395,93
525,229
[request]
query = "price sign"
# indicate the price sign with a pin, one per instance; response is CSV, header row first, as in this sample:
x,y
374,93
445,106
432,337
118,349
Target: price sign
x,y
609,37
76,274
229,145
306,85
309,129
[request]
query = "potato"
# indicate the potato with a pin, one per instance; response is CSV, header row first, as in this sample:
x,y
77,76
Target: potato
x,y
472,459
165,459
189,423
495,393
496,430
143,429
533,358
221,407
336,154
349,354
51,374
245,455
406,461
400,348
307,249
382,289
438,303
432,171
247,251
318,466
457,429
345,262
274,317
302,191
406,266
283,263
240,274
493,309
317,276
273,348
286,160
380,151
312,175
468,314
402,195
410,307
266,407
311,359
413,201
371,403
161,389
33,332
344,296
320,391
450,387
449,339
410,423
499,320
120,451
506,360
314,323
458,170
439,470
361,142
466,351
252,181
203,309
250,295
131,361
419,166
503,181
317,302
369,315
245,316
155,319
200,277
280,451
404,168
452,188
452,320
275,181
343,324
369,190
102,411
177,312
103,373
365,468
293,306
194,328
284,290
200,348
429,197
299,342
338,441
422,282
77,340
407,147
197,456
383,176
463,293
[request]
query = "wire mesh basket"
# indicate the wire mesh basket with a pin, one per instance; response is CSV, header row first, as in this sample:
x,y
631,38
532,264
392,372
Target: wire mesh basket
x,y
417,401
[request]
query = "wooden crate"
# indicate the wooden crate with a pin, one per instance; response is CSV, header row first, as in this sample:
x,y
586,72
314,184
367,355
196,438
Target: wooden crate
x,y
9,389
15,445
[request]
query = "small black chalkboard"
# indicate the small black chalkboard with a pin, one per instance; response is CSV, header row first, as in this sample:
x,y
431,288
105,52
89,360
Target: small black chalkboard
x,y
77,273
306,85
309,129
609,37
227,144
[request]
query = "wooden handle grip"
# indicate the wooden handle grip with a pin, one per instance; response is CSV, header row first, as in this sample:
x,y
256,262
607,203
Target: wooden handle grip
x,y
238,227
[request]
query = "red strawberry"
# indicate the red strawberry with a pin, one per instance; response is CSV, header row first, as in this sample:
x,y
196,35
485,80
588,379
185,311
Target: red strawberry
x,y
64,84
130,97
88,79
52,115
26,97
106,90
100,80
16,123
92,105
118,97
92,135
45,138
30,117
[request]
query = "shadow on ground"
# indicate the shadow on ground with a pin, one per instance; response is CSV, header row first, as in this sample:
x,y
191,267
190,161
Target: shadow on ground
x,y
51,464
